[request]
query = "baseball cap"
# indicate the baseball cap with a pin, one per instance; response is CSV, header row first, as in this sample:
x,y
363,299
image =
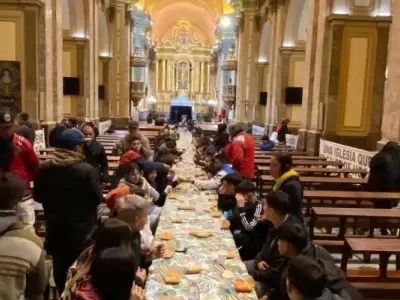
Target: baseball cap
x,y
6,119
70,138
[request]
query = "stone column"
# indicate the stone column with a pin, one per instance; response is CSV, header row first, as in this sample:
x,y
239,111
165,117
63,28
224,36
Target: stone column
x,y
120,32
50,64
90,64
274,76
391,105
313,38
249,38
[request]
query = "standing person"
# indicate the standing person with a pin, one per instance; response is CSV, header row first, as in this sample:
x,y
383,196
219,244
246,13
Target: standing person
x,y
25,128
22,258
288,181
55,134
69,191
283,130
17,156
95,153
240,151
221,137
125,143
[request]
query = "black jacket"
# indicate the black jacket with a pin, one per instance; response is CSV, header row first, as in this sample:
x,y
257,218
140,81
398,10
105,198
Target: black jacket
x,y
221,139
70,195
96,156
294,189
270,254
226,202
338,288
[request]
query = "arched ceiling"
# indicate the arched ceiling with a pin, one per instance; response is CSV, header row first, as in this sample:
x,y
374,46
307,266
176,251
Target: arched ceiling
x,y
202,15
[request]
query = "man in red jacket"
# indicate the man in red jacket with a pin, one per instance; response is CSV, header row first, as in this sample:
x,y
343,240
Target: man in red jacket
x,y
17,156
240,151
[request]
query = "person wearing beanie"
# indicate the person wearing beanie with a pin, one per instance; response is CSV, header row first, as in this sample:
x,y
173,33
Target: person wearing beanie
x,y
265,267
69,190
248,233
55,134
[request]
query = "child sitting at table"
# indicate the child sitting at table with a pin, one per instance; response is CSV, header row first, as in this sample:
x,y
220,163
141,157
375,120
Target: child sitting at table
x,y
222,167
248,232
226,193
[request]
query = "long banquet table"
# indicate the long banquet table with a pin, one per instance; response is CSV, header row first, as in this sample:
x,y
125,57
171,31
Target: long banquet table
x,y
201,251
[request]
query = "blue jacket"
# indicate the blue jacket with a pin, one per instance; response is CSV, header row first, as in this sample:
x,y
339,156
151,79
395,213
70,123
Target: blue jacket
x,y
267,145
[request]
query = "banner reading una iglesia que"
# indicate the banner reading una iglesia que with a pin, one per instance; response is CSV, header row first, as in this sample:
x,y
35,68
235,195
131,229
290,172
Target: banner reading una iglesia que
x,y
352,158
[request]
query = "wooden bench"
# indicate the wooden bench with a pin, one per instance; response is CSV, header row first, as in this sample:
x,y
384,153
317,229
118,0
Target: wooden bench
x,y
376,218
323,171
302,162
319,182
294,157
384,247
351,198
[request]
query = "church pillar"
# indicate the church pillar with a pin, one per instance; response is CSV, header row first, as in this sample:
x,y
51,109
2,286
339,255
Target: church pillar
x,y
249,37
309,132
274,75
391,104
50,64
120,29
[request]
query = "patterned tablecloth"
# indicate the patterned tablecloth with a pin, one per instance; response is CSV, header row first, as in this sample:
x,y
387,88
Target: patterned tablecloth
x,y
200,251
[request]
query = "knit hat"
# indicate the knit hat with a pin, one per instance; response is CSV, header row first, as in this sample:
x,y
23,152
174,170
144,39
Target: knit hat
x,y
70,138
128,157
6,119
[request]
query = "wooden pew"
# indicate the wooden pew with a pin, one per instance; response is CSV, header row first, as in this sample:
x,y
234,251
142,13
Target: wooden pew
x,y
302,162
294,157
384,247
351,198
320,182
313,171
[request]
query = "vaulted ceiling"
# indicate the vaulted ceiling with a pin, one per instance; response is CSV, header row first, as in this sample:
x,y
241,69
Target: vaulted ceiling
x,y
202,14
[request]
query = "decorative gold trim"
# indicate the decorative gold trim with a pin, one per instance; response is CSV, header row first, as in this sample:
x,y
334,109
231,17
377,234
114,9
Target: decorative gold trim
x,y
350,32
358,18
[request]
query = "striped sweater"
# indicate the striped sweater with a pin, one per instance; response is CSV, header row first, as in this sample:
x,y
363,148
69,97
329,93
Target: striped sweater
x,y
22,260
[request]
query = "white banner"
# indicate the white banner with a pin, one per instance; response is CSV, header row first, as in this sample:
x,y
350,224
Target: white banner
x,y
103,126
352,158
40,140
291,140
257,130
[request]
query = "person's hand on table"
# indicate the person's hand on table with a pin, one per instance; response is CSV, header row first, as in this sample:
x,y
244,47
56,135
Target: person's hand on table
x,y
168,189
141,273
158,251
239,200
137,293
264,298
262,266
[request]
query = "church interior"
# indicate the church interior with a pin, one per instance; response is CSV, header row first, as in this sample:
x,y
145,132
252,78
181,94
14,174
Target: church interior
x,y
321,64
326,69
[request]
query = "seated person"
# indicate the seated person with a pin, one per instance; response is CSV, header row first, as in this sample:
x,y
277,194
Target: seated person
x,y
23,271
293,241
306,280
287,180
133,179
227,192
266,143
249,234
134,210
111,233
169,180
223,168
265,268
136,145
174,133
120,264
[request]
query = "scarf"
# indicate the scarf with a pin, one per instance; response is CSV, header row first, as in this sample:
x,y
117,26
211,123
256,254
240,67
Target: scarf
x,y
64,157
283,178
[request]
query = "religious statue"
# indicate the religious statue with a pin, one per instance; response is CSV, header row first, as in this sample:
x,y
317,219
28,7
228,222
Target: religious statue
x,y
183,75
